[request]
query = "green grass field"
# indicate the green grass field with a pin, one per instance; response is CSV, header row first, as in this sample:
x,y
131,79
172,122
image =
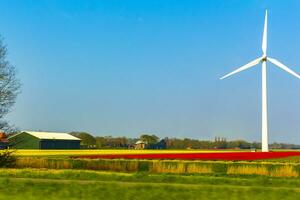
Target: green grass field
x,y
82,184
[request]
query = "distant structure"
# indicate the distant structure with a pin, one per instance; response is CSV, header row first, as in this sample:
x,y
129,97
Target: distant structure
x,y
43,140
140,144
263,60
220,139
3,141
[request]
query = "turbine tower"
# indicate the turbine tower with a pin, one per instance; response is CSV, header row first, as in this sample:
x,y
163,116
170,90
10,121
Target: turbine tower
x,y
263,60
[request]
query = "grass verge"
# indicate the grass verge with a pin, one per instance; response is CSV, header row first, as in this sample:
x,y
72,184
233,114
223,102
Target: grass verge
x,y
35,184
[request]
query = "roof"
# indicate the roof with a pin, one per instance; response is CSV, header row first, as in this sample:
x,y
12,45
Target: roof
x,y
50,135
140,142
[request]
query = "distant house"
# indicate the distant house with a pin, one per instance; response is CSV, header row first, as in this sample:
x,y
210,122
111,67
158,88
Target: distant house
x,y
140,144
3,141
43,140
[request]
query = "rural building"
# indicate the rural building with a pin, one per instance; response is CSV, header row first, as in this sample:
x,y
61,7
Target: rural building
x,y
140,144
43,140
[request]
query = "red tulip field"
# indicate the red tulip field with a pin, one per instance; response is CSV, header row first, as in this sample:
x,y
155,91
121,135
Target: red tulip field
x,y
198,156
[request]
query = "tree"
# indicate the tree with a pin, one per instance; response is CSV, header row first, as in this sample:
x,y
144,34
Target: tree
x,y
87,140
9,87
101,142
149,139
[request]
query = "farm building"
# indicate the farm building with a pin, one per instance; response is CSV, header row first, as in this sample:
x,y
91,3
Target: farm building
x,y
43,140
140,144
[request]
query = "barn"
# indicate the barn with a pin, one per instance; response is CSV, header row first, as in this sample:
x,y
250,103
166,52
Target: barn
x,y
43,140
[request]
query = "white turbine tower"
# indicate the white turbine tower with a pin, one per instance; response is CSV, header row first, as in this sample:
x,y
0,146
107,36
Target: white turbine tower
x,y
263,60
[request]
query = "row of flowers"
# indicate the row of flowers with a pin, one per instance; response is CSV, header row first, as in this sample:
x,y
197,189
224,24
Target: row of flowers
x,y
198,156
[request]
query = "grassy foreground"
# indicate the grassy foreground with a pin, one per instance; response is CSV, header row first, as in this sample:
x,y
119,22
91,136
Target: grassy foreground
x,y
82,184
54,175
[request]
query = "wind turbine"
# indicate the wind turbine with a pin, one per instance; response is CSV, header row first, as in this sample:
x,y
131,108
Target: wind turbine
x,y
263,60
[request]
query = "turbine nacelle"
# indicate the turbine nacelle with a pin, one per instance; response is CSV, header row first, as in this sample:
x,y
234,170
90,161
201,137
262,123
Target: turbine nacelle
x,y
261,60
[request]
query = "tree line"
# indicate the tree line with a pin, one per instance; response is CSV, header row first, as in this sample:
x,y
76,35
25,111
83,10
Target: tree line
x,y
154,142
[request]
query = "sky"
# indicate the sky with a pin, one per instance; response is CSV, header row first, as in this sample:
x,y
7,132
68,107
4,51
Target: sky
x,y
123,68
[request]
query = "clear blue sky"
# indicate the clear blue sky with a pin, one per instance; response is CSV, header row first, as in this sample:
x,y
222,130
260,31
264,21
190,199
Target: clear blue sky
x,y
128,67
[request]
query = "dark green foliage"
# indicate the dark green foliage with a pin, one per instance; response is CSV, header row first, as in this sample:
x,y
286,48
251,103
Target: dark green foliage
x,y
87,140
7,159
149,139
220,167
154,142
143,166
108,142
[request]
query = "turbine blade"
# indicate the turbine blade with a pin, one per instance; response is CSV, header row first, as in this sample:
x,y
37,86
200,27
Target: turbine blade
x,y
282,66
264,41
247,66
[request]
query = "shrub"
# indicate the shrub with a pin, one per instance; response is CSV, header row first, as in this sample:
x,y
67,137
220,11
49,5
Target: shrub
x,y
7,159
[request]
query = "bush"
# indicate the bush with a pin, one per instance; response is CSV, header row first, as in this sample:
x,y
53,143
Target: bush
x,y
7,159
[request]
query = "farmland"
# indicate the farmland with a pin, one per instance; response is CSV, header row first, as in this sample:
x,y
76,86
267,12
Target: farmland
x,y
106,152
281,164
265,168
67,175
83,184
83,152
